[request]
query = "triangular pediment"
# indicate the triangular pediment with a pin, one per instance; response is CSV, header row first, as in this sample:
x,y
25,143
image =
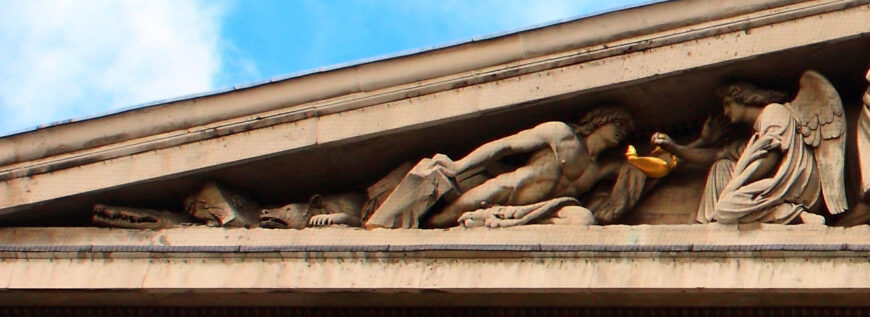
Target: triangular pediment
x,y
343,129
373,130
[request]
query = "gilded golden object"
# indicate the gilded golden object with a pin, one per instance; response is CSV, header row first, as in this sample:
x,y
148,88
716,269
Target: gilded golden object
x,y
652,166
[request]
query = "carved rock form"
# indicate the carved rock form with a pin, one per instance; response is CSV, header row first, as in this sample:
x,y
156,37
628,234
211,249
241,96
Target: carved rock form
x,y
419,189
379,191
340,209
218,206
137,218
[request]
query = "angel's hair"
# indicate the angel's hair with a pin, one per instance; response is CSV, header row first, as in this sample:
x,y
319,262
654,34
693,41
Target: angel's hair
x,y
747,94
604,115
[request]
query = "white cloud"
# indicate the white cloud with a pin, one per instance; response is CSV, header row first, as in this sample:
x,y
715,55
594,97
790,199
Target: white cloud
x,y
66,59
512,15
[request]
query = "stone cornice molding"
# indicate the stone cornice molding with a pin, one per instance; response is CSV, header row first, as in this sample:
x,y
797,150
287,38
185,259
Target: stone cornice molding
x,y
752,240
688,265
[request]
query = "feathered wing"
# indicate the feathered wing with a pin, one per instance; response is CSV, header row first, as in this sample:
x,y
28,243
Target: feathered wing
x,y
819,111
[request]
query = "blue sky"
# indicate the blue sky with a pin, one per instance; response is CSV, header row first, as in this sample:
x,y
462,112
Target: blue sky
x,y
65,60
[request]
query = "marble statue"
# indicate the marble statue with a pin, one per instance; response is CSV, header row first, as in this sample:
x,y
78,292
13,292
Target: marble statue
x,y
563,164
319,211
794,158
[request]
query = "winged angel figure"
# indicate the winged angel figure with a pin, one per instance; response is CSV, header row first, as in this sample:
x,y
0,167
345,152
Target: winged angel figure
x,y
794,158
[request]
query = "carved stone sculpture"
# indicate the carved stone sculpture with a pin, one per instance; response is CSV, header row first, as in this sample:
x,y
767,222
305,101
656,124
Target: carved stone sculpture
x,y
218,206
863,140
563,163
137,218
794,158
341,209
379,191
793,161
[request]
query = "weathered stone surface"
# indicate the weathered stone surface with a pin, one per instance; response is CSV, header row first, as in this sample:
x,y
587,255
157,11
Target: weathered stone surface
x,y
137,218
712,237
591,265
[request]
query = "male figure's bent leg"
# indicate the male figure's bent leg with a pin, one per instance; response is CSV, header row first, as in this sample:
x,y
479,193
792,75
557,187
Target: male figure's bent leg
x,y
496,191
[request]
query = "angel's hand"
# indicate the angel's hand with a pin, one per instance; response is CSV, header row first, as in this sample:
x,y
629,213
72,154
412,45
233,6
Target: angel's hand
x,y
663,140
714,128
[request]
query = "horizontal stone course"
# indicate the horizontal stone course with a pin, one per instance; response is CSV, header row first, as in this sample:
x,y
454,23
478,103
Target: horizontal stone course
x,y
536,238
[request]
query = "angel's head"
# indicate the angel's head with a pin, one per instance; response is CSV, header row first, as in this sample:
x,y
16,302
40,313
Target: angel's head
x,y
738,99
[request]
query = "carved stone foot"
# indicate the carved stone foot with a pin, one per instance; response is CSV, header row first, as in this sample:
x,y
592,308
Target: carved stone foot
x,y
494,217
477,218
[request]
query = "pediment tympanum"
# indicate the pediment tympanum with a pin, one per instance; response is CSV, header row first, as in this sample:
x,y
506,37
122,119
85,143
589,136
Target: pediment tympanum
x,y
790,169
222,181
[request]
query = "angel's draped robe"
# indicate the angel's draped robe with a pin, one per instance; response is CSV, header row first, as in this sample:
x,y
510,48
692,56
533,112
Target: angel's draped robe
x,y
864,144
793,187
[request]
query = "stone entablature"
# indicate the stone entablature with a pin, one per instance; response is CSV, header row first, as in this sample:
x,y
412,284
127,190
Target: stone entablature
x,y
686,265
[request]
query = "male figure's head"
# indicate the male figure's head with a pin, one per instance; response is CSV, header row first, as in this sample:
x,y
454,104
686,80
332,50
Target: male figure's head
x,y
739,96
605,127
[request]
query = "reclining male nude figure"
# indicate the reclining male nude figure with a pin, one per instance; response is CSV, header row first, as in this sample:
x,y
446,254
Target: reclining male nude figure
x,y
563,164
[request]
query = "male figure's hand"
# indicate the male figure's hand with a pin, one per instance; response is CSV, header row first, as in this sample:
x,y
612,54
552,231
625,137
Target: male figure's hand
x,y
445,165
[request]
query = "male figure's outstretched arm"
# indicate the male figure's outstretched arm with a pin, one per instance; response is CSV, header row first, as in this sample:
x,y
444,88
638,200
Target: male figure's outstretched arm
x,y
542,135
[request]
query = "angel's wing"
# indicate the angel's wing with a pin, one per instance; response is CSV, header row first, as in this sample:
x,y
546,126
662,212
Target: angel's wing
x,y
819,111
